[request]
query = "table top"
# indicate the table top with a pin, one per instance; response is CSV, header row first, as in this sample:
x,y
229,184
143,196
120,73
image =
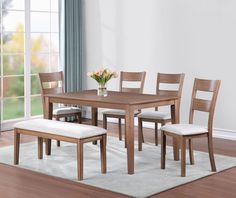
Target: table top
x,y
114,97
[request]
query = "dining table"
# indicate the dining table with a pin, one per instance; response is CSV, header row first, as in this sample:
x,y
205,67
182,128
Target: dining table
x,y
129,102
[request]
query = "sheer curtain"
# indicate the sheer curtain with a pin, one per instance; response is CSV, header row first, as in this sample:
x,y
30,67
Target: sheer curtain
x,y
71,43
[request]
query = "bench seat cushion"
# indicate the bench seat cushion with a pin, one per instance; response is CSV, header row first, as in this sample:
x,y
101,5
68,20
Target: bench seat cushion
x,y
117,112
154,115
184,129
66,110
66,129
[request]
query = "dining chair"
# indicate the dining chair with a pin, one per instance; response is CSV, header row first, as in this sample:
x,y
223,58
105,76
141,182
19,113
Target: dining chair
x,y
138,78
52,83
175,81
184,132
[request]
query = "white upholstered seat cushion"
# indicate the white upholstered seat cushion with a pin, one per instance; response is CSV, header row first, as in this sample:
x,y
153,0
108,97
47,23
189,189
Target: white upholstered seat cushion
x,y
66,129
154,115
117,112
184,129
66,110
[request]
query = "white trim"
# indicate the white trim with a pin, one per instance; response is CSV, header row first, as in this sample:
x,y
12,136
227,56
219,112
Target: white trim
x,y
217,133
27,69
1,71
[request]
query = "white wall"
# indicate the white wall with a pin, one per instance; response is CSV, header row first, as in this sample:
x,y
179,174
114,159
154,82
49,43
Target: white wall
x,y
197,37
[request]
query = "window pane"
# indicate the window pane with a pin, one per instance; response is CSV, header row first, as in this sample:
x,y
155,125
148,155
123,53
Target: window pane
x,y
40,22
40,5
54,5
36,105
14,21
13,64
14,4
13,108
40,63
13,43
35,87
54,22
13,86
40,42
54,62
55,42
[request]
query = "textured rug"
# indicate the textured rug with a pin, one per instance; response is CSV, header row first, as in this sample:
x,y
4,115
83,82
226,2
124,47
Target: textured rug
x,y
148,179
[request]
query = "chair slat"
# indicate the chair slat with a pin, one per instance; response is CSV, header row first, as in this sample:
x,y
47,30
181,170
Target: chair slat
x,y
131,90
168,92
51,77
169,78
201,105
132,76
54,90
206,85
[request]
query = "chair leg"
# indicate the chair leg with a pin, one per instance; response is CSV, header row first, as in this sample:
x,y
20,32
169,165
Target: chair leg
x,y
48,149
58,142
80,159
156,133
104,121
79,117
120,131
211,153
16,147
163,150
103,154
40,148
191,156
140,134
125,137
183,157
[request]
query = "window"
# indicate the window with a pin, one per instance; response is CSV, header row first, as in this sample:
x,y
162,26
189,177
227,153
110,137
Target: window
x,y
29,44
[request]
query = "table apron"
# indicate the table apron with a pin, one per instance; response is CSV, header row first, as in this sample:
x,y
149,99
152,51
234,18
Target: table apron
x,y
153,104
111,105
87,103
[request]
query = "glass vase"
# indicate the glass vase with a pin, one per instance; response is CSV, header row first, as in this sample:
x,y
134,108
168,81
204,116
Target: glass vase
x,y
102,90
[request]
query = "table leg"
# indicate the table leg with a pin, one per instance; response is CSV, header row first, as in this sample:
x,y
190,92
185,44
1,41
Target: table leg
x,y
129,127
94,119
48,115
175,120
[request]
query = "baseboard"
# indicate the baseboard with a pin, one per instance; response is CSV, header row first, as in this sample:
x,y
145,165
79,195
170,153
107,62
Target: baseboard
x,y
217,132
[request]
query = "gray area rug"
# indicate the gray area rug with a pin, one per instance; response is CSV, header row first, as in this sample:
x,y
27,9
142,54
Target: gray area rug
x,y
148,179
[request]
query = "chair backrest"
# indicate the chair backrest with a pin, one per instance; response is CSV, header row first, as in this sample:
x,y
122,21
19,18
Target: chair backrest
x,y
173,79
138,77
170,79
51,83
204,105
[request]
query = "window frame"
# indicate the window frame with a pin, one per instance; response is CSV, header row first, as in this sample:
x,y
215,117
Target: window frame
x,y
7,124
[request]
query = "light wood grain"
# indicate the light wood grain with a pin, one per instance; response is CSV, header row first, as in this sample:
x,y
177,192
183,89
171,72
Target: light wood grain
x,y
199,105
115,100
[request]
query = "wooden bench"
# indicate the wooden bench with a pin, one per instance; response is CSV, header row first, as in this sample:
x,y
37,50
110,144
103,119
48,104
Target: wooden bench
x,y
63,131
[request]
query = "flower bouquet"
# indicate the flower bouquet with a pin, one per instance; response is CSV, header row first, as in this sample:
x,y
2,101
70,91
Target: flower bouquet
x,y
102,76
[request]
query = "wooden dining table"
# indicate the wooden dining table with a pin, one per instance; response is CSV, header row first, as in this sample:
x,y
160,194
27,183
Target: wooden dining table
x,y
116,100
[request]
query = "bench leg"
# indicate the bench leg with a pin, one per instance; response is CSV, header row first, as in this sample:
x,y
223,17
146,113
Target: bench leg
x,y
40,148
16,146
103,154
80,159
48,146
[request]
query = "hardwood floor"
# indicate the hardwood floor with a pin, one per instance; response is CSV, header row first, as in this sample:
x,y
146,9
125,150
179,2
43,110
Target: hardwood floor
x,y
16,182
